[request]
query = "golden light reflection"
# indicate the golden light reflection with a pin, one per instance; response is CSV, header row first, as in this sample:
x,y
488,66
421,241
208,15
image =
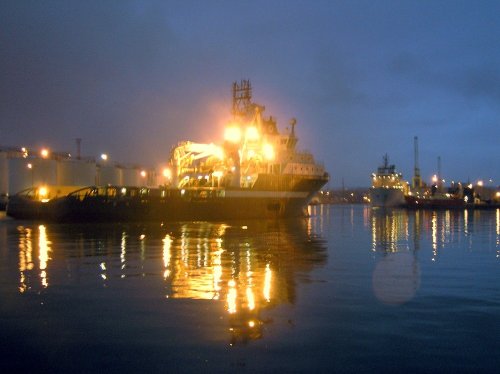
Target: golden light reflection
x,y
167,244
217,267
235,264
434,233
267,283
246,268
498,231
390,230
250,299
44,248
231,297
123,251
25,257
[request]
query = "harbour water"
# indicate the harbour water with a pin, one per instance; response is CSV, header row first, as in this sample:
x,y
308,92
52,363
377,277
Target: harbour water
x,y
350,289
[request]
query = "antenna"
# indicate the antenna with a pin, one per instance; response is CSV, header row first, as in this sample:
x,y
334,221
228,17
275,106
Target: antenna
x,y
78,148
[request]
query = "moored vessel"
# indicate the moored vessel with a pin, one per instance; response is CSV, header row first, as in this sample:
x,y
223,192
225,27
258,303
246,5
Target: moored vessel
x,y
256,173
388,187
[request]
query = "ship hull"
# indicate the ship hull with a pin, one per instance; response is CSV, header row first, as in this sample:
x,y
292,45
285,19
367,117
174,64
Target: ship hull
x,y
434,203
68,209
197,204
386,197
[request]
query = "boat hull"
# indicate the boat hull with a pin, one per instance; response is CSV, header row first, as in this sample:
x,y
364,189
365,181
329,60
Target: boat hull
x,y
434,203
386,197
165,205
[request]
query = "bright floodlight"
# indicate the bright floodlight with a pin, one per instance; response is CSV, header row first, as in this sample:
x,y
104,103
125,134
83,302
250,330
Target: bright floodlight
x,y
167,173
232,134
104,157
42,191
252,133
143,173
268,151
44,152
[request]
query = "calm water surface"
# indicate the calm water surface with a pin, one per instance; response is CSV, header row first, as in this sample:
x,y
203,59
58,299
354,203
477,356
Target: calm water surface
x,y
350,289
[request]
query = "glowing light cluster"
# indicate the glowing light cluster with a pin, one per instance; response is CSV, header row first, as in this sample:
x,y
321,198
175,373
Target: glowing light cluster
x,y
268,151
232,134
252,133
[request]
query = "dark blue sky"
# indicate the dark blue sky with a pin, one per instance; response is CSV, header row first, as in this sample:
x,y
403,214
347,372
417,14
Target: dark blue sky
x,y
132,78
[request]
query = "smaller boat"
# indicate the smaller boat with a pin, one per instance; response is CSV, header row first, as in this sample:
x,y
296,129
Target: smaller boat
x,y
36,202
438,201
388,187
438,197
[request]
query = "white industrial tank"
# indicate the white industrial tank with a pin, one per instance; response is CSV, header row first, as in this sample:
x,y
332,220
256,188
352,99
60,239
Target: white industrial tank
x,y
76,173
109,174
27,172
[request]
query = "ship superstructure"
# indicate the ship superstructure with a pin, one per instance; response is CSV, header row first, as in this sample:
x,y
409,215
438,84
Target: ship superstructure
x,y
388,187
254,154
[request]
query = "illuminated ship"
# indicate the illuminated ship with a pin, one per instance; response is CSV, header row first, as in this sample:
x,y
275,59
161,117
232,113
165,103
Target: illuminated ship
x,y
388,187
256,173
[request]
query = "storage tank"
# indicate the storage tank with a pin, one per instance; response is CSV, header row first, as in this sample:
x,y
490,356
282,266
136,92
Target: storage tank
x,y
109,174
4,174
76,173
152,178
131,176
27,172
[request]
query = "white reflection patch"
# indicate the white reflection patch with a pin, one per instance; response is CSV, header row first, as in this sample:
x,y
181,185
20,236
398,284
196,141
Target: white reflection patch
x,y
396,278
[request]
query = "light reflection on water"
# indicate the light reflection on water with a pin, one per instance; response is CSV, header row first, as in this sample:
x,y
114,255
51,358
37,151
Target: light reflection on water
x,y
377,287
396,230
248,266
239,264
398,234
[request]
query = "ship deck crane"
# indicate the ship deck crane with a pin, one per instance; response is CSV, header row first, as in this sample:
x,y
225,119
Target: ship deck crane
x,y
417,180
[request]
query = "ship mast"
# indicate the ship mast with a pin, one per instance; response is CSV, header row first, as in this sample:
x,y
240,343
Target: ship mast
x,y
242,99
439,180
417,180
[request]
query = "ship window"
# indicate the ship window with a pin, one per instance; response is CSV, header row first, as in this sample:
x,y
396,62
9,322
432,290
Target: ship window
x,y
111,192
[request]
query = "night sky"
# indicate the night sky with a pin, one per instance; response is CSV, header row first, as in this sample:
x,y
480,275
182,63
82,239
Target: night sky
x,y
362,78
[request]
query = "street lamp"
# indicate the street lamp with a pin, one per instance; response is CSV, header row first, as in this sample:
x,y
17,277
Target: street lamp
x,y
30,167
